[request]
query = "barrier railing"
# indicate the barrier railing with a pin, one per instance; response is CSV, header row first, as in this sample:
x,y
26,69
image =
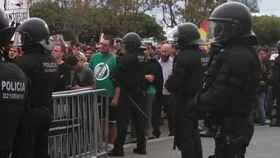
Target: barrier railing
x,y
80,124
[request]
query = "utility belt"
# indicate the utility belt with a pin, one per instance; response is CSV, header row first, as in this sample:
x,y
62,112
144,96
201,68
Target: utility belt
x,y
229,122
228,143
229,147
227,129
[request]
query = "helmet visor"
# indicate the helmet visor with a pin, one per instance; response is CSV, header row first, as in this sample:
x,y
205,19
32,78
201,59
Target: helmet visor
x,y
216,30
48,44
21,39
17,38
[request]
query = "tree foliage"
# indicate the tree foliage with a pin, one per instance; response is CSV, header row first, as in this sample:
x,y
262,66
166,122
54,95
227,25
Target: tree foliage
x,y
89,18
86,20
267,29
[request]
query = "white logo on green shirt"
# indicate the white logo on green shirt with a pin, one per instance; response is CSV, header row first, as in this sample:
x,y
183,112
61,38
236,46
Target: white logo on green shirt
x,y
101,71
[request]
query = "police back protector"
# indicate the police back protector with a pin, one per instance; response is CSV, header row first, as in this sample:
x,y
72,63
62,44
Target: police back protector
x,y
12,102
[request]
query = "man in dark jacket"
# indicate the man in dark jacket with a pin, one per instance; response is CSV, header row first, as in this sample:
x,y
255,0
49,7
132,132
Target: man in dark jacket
x,y
230,85
154,87
13,92
184,83
41,69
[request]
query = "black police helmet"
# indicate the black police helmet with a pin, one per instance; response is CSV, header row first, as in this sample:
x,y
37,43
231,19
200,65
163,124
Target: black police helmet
x,y
132,40
187,34
33,31
231,20
6,32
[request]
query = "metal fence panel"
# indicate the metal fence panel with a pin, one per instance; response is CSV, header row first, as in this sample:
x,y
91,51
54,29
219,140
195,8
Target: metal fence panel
x,y
80,124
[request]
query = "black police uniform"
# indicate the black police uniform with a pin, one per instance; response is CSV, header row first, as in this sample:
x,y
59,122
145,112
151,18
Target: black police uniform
x,y
13,97
13,93
129,75
275,120
41,69
232,92
184,82
64,77
230,88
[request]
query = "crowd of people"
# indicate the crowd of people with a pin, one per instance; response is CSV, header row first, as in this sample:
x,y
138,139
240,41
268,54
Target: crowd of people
x,y
224,85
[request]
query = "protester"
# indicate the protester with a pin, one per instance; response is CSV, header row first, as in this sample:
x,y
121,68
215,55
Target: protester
x,y
116,49
103,64
165,98
264,79
64,70
82,75
14,52
154,85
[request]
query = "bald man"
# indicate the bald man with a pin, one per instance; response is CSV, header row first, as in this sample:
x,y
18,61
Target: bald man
x,y
165,97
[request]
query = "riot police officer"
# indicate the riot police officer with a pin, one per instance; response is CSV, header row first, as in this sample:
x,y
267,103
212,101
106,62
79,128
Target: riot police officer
x,y
184,83
276,85
41,69
130,77
13,92
230,85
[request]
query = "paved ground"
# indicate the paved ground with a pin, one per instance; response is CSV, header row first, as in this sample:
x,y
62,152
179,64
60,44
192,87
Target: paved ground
x,y
265,144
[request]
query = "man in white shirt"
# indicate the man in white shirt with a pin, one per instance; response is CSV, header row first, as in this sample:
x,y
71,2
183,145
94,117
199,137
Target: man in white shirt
x,y
165,100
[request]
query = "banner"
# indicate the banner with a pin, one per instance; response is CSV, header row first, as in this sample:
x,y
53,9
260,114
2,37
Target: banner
x,y
16,10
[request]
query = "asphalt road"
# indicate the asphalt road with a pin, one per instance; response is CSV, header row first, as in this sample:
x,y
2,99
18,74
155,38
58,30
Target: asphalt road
x,y
265,144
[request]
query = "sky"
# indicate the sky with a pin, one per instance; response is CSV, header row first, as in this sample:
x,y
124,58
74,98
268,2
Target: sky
x,y
270,7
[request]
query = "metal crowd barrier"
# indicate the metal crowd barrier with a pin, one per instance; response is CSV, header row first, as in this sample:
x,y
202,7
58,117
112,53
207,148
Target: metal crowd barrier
x,y
80,124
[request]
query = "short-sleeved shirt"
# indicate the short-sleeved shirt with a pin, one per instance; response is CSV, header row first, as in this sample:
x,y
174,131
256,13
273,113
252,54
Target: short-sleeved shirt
x,y
103,65
86,77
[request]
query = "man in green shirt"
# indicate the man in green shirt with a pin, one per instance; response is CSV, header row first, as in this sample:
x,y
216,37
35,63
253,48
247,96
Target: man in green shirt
x,y
103,64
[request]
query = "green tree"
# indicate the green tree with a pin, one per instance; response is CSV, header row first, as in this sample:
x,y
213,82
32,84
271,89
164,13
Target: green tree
x,y
48,11
267,29
86,21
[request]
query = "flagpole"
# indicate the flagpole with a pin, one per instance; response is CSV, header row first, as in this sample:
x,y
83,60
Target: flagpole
x,y
5,5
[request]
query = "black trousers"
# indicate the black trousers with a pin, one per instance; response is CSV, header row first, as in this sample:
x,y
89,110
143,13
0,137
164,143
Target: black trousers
x,y
167,102
4,154
187,137
234,136
278,111
127,111
156,113
32,137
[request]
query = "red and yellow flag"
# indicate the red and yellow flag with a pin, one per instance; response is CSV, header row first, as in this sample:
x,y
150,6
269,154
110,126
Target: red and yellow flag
x,y
203,29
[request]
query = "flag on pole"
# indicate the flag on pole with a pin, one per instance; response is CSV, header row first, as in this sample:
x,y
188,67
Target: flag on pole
x,y
203,30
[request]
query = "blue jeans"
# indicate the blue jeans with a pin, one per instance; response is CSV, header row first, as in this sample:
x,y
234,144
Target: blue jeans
x,y
262,105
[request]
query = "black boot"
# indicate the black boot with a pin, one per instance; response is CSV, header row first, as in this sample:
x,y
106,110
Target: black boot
x,y
117,151
141,149
156,133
